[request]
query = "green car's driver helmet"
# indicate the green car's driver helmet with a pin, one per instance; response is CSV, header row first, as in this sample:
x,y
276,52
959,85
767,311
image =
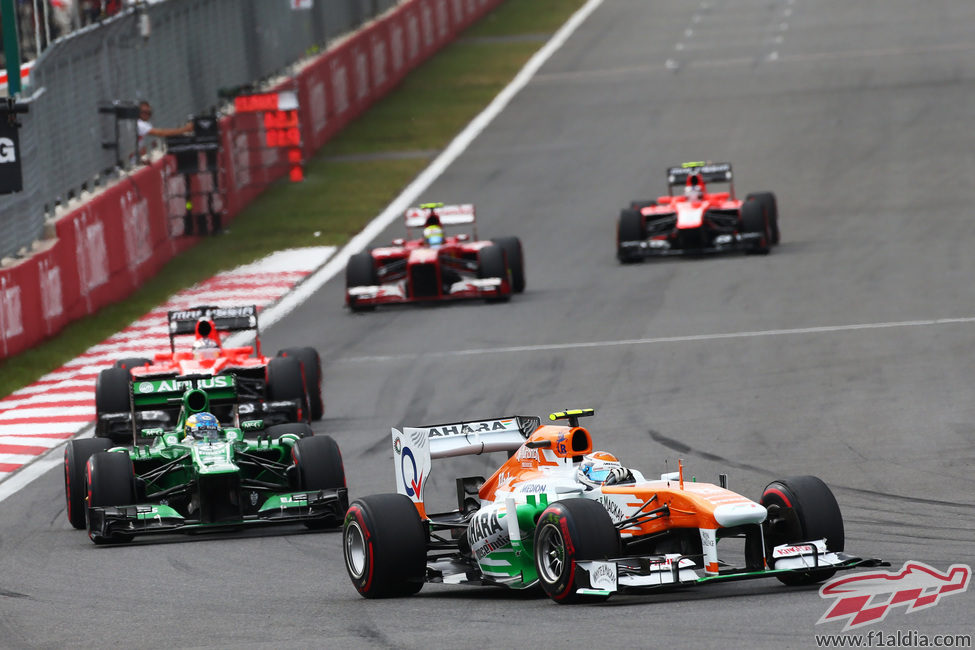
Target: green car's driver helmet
x,y
201,426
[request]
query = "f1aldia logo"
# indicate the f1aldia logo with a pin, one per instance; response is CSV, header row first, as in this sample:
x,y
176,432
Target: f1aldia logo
x,y
866,598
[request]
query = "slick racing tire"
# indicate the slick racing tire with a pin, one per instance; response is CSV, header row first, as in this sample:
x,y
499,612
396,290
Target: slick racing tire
x,y
360,271
285,382
516,261
491,264
110,482
300,429
111,396
629,228
754,219
385,546
76,455
318,464
802,509
568,531
771,208
133,362
311,366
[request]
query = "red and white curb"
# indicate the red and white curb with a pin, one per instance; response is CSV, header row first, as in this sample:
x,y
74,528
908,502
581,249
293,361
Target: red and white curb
x,y
61,404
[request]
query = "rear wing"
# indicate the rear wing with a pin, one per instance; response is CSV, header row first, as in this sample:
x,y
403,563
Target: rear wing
x,y
180,396
450,215
415,447
226,319
710,173
156,394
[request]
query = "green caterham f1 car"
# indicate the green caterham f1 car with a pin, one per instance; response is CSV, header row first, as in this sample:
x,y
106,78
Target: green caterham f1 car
x,y
212,479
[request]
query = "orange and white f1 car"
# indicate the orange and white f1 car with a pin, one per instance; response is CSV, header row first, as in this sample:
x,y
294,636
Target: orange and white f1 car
x,y
578,523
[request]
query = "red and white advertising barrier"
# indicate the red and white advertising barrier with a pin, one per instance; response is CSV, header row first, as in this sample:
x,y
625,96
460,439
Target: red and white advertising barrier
x,y
109,246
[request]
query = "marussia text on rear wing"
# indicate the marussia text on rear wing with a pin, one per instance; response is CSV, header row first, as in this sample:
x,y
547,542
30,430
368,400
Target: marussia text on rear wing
x,y
226,319
709,172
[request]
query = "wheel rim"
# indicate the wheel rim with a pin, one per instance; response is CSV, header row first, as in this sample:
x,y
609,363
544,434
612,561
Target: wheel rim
x,y
355,549
551,554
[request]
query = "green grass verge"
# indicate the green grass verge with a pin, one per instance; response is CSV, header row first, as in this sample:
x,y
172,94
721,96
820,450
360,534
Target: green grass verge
x,y
338,198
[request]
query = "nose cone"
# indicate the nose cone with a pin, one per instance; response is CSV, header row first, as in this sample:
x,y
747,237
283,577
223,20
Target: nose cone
x,y
737,514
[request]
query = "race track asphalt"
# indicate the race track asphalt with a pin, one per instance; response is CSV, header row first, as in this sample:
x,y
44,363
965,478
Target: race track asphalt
x,y
846,353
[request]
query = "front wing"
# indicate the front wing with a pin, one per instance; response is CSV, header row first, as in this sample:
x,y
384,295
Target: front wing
x,y
395,292
638,574
124,522
731,242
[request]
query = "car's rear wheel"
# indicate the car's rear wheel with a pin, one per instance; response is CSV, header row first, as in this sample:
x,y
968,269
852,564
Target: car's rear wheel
x,y
754,219
111,396
630,228
132,362
285,382
802,509
300,429
384,543
318,462
516,261
568,531
110,482
771,208
491,264
360,271
76,455
639,205
311,365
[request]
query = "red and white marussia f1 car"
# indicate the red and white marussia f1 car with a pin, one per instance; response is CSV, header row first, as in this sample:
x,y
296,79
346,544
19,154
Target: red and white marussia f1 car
x,y
697,221
282,389
436,267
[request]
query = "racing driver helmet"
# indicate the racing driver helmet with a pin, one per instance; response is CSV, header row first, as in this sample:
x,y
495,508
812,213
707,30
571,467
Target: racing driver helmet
x,y
433,235
201,426
694,190
596,468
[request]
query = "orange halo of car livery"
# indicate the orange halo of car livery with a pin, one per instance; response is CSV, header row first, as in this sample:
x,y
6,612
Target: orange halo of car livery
x,y
538,521
437,266
697,221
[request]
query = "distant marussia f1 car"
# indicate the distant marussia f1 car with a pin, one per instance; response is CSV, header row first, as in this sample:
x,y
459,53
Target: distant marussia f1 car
x,y
697,222
286,388
202,480
556,515
436,267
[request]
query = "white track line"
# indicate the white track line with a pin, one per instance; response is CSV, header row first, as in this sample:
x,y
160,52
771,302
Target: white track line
x,y
407,197
828,329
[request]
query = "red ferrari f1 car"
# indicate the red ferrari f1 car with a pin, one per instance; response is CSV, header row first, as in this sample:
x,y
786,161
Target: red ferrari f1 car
x,y
698,221
436,267
283,389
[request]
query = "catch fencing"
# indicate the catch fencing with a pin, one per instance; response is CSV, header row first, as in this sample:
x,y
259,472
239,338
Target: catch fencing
x,y
178,54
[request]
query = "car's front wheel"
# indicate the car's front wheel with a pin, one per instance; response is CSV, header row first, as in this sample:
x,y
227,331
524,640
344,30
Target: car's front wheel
x,y
76,455
802,509
318,464
110,482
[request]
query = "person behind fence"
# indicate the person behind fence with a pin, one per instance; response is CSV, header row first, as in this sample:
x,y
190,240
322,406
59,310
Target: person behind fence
x,y
144,128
